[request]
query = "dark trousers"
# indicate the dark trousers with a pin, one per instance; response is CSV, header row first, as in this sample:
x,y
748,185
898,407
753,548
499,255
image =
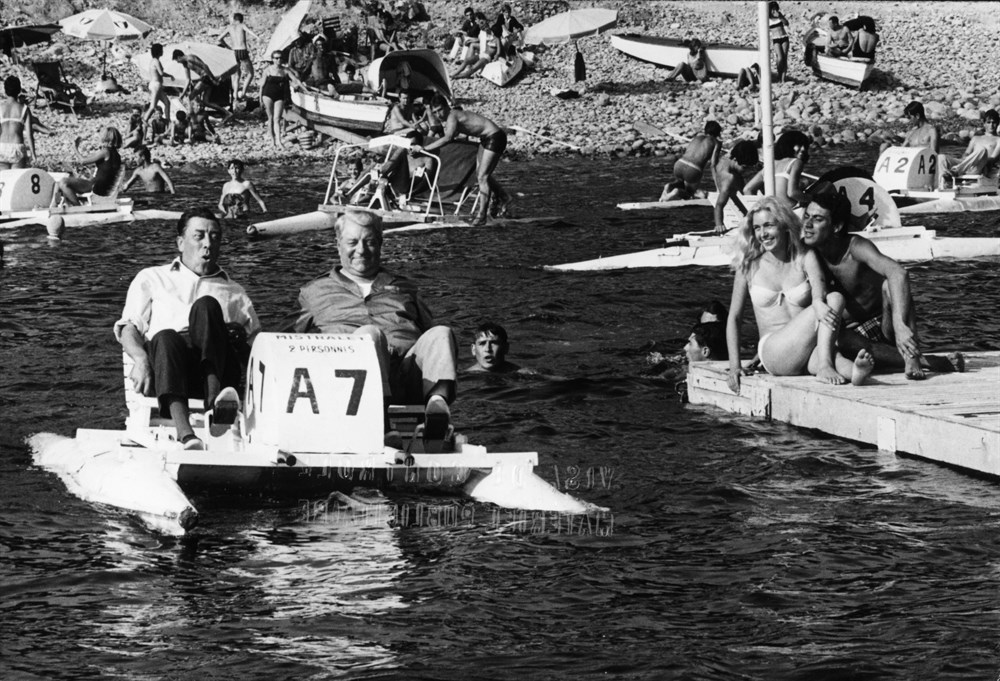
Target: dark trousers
x,y
181,361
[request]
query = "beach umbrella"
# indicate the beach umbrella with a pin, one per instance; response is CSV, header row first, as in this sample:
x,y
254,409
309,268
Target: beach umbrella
x,y
22,36
221,61
287,30
571,25
104,25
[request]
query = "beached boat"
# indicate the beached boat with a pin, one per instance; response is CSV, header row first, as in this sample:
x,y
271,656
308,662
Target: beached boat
x,y
502,71
436,192
853,71
312,424
910,175
365,113
722,59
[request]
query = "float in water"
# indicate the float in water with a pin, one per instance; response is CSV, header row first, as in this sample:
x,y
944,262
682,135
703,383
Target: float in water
x,y
312,424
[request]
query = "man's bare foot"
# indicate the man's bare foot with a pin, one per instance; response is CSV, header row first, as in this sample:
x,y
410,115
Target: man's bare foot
x,y
863,365
830,375
913,370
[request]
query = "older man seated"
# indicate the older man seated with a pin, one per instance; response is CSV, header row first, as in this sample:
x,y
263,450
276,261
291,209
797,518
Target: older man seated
x,y
417,358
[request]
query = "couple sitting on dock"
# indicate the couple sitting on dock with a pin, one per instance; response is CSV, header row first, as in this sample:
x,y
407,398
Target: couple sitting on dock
x,y
188,327
826,302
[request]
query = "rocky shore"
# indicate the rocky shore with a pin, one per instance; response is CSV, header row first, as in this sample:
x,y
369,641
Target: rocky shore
x,y
944,54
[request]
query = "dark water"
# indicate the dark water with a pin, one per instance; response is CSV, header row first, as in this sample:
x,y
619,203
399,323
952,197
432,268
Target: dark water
x,y
735,548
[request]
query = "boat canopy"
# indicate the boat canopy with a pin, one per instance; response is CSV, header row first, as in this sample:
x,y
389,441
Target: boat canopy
x,y
427,72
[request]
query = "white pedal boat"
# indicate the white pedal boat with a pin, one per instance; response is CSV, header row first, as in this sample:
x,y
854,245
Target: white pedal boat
x,y
312,424
25,195
911,175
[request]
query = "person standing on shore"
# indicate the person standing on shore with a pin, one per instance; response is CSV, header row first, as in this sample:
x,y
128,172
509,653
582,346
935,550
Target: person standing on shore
x,y
492,143
275,90
157,74
779,38
17,137
237,32
689,168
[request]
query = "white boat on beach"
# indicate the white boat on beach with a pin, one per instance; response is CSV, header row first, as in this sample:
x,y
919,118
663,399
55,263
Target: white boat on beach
x,y
853,71
910,175
722,59
312,425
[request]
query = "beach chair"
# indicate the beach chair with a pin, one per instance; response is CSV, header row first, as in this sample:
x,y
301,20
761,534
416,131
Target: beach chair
x,y
54,90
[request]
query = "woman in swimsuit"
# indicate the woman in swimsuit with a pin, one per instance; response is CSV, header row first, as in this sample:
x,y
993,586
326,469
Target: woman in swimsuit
x,y
156,92
791,153
693,67
234,202
17,137
796,317
779,38
274,91
108,162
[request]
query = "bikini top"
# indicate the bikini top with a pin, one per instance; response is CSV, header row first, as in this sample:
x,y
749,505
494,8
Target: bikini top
x,y
20,119
799,295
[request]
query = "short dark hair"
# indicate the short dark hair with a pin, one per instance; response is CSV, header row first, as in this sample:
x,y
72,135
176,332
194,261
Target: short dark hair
x,y
712,335
439,100
176,54
237,16
469,10
745,153
914,108
713,128
191,213
832,201
991,116
491,328
144,153
718,309
785,146
12,86
156,49
238,164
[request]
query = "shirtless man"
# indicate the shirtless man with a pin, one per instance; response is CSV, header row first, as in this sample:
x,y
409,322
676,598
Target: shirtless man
x,y
492,143
490,350
879,315
922,132
152,174
839,39
728,174
237,32
689,168
194,63
982,150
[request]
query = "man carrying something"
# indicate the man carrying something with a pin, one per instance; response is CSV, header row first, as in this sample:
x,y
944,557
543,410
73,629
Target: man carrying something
x,y
879,315
418,359
188,327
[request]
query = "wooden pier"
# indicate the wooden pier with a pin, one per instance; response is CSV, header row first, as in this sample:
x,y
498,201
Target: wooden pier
x,y
949,418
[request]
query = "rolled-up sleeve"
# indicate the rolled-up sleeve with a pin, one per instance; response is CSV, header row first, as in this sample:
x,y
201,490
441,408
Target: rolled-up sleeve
x,y
138,307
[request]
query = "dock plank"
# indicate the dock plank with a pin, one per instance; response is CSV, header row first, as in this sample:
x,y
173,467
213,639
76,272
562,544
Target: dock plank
x,y
949,418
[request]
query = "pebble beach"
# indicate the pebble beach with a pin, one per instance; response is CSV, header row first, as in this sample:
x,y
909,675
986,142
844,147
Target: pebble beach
x,y
943,54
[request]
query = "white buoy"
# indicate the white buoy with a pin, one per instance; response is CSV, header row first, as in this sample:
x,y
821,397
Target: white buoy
x,y
55,226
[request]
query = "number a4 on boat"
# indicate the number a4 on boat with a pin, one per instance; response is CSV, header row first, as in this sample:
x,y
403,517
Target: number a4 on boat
x,y
314,393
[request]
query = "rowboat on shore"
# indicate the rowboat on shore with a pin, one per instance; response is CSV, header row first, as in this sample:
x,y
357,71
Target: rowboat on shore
x,y
910,175
502,71
312,424
427,191
722,59
364,113
853,71
873,215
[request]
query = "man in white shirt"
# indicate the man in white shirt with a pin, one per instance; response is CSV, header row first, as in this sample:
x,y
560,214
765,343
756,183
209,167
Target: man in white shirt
x,y
187,327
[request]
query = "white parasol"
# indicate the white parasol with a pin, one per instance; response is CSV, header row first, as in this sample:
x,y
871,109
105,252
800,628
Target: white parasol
x,y
105,25
287,30
568,26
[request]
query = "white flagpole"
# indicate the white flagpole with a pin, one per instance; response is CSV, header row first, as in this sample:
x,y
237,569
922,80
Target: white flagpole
x,y
766,115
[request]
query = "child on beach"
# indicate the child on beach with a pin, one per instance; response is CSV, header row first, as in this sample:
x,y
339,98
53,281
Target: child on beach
x,y
158,128
136,130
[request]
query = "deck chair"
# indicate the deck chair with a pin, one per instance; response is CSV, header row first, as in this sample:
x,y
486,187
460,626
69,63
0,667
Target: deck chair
x,y
54,90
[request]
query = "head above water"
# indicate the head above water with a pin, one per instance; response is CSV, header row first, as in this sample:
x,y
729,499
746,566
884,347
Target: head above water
x,y
707,342
359,243
144,154
237,165
490,346
715,312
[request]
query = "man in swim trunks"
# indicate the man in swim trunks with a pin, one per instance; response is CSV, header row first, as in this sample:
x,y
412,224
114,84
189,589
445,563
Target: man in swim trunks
x,y
237,32
188,327
198,89
492,142
418,358
879,315
690,167
730,176
983,150
152,174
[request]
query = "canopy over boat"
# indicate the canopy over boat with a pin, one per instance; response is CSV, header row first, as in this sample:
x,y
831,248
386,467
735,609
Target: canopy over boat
x,y
421,70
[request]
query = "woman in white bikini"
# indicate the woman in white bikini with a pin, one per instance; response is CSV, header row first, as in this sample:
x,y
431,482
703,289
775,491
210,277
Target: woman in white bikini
x,y
156,93
779,38
17,139
796,317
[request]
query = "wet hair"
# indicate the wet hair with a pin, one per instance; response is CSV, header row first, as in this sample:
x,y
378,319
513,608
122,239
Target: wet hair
x,y
833,201
914,108
12,86
785,146
749,249
156,50
713,128
144,153
712,335
238,164
237,16
718,309
362,218
745,153
176,55
111,138
190,214
491,329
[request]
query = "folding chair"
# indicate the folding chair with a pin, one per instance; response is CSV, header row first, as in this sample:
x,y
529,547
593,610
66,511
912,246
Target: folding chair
x,y
55,90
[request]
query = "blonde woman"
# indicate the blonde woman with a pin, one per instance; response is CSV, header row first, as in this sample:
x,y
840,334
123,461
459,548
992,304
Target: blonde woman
x,y
108,162
796,317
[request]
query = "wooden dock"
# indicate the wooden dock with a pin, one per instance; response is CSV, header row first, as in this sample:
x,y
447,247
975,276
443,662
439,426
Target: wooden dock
x,y
949,418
